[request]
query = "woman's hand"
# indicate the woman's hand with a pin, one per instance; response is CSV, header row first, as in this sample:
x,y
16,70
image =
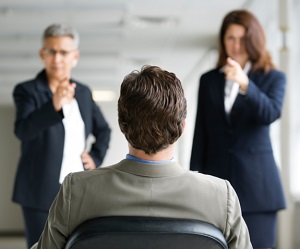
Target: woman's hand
x,y
64,94
87,161
233,71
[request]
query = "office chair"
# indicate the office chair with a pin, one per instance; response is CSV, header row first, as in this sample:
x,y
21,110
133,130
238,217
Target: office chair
x,y
135,232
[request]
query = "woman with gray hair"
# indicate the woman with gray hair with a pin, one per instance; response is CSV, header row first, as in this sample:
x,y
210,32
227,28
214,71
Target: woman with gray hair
x,y
54,115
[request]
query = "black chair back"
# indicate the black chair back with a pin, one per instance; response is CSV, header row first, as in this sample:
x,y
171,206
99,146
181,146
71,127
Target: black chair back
x,y
144,233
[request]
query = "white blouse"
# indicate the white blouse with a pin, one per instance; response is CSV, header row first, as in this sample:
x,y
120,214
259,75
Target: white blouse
x,y
74,140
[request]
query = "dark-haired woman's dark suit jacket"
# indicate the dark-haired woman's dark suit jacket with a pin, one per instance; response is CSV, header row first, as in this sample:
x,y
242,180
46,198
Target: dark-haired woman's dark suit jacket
x,y
238,147
41,131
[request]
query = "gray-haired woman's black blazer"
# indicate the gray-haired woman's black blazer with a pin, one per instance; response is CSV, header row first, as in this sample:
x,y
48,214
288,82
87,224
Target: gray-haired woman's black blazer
x,y
41,131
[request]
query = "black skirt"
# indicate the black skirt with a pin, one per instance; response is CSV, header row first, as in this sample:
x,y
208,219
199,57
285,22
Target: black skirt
x,y
262,228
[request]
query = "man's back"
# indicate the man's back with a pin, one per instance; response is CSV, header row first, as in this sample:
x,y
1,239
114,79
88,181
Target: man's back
x,y
132,188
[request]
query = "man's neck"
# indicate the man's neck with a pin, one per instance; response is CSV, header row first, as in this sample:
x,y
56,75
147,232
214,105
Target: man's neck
x,y
166,154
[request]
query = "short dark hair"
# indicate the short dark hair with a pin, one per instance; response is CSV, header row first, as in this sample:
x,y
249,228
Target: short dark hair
x,y
151,109
255,40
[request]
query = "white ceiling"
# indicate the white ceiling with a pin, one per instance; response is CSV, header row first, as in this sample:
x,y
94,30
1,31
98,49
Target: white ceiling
x,y
116,36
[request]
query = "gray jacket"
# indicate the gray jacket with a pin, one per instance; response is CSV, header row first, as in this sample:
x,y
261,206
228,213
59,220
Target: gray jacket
x,y
140,189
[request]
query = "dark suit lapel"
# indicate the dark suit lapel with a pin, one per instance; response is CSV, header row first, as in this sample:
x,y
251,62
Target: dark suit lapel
x,y
238,107
81,104
221,94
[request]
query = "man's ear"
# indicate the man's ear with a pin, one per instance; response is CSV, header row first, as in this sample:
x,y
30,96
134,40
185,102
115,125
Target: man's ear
x,y
183,126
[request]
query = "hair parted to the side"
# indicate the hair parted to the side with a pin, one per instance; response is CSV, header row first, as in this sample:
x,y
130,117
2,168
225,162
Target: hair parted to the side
x,y
60,29
151,109
255,40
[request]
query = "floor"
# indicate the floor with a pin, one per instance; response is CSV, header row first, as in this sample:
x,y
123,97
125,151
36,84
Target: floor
x,y
11,242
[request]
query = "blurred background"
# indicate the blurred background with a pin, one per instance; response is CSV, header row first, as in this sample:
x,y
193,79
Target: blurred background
x,y
119,36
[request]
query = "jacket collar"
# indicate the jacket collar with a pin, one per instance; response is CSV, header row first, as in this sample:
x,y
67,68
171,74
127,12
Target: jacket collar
x,y
149,170
42,81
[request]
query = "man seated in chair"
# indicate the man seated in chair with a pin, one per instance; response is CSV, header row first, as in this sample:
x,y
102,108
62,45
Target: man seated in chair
x,y
148,182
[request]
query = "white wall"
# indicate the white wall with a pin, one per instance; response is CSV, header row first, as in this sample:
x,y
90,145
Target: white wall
x,y
118,145
10,213
296,226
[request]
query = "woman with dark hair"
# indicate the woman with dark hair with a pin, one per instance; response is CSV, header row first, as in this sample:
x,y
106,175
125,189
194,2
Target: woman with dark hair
x,y
237,103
